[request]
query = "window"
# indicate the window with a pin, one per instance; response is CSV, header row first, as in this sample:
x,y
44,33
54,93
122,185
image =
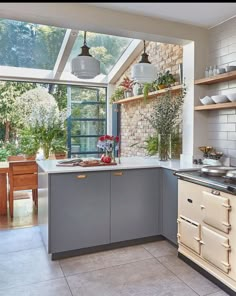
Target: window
x,y
86,121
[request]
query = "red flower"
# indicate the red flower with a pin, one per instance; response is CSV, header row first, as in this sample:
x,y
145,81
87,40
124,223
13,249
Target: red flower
x,y
117,139
102,138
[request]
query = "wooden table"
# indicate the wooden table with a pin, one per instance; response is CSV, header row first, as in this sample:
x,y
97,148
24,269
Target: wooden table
x,y
4,169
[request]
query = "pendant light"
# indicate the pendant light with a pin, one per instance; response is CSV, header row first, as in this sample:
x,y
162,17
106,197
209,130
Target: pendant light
x,y
143,71
85,66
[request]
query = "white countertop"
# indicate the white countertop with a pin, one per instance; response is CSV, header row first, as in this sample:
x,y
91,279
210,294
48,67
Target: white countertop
x,y
49,166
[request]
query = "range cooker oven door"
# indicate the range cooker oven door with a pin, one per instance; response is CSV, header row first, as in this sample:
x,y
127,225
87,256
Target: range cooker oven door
x,y
215,208
189,233
215,249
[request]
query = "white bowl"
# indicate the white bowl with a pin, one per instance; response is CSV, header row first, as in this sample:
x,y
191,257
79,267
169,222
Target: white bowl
x,y
232,97
207,100
219,99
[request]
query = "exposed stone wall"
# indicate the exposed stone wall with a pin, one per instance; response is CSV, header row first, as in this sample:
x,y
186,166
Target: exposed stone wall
x,y
134,127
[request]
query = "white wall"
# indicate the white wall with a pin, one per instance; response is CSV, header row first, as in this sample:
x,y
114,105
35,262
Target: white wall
x,y
222,123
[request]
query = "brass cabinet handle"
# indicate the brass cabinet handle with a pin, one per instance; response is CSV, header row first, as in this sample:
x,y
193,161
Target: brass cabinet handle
x,y
81,176
118,174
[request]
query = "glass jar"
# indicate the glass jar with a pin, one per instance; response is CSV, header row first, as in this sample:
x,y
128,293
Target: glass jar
x,y
164,146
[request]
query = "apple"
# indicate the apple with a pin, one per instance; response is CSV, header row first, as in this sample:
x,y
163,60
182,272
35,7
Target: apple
x,y
107,159
102,157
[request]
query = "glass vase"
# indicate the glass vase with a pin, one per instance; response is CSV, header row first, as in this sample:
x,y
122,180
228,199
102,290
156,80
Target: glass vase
x,y
164,146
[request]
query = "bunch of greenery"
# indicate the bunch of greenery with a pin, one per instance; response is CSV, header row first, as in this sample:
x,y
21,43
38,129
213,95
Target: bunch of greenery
x,y
165,78
59,145
13,148
29,142
117,95
151,145
165,115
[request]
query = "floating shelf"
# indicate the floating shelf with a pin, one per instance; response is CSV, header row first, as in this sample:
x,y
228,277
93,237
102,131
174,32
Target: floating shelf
x,y
216,79
157,93
229,105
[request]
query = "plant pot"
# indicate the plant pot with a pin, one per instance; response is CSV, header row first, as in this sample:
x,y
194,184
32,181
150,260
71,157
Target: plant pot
x,y
30,157
128,93
15,158
161,86
60,155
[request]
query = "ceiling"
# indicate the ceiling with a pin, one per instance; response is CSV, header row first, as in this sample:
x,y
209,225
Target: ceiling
x,y
204,15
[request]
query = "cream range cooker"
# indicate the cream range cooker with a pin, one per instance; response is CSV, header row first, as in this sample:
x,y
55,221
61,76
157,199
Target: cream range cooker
x,y
207,225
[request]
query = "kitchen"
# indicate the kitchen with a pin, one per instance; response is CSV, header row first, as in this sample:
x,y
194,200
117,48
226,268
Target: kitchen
x,y
220,134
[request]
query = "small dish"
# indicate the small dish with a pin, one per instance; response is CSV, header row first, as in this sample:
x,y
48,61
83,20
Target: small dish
x,y
219,99
207,100
232,97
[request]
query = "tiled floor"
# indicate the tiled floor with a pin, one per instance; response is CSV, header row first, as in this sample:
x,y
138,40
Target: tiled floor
x,y
151,269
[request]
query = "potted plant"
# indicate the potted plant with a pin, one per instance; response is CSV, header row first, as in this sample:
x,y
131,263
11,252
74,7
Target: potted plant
x,y
14,151
59,148
127,84
164,80
117,95
29,144
164,119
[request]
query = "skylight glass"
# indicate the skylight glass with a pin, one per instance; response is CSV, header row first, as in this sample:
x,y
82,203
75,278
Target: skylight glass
x,y
106,48
29,45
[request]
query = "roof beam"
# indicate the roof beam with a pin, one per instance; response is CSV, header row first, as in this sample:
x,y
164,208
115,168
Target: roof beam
x,y
64,53
132,51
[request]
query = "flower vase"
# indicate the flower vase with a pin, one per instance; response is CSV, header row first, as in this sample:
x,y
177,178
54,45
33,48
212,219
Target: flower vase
x,y
164,146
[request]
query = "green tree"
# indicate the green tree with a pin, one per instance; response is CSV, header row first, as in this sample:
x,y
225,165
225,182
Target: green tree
x,y
9,91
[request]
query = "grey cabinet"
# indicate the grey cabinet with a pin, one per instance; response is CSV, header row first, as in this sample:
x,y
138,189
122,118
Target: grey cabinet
x,y
169,205
79,210
134,204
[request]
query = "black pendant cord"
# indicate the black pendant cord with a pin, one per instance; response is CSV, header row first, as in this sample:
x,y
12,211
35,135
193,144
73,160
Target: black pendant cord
x,y
85,33
144,58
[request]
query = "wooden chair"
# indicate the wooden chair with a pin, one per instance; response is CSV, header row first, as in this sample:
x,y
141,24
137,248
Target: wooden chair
x,y
23,175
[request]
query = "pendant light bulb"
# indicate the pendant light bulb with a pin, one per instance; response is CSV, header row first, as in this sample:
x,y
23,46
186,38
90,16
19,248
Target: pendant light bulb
x,y
144,71
85,66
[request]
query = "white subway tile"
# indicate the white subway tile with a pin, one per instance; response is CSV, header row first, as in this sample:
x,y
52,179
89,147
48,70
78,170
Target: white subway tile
x,y
232,153
219,119
232,136
228,58
232,118
227,111
218,135
232,48
223,127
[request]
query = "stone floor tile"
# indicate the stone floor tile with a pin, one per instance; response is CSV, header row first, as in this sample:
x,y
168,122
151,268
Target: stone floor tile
x,y
220,293
56,287
104,259
20,239
27,267
141,278
187,274
160,248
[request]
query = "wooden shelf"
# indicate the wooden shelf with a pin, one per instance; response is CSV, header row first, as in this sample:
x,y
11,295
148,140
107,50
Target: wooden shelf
x,y
229,105
216,79
157,93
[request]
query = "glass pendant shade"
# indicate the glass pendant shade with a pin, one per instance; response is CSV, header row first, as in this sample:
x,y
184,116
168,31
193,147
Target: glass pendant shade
x,y
85,66
144,71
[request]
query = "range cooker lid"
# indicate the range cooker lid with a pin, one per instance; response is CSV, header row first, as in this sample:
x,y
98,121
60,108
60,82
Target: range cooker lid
x,y
216,170
231,174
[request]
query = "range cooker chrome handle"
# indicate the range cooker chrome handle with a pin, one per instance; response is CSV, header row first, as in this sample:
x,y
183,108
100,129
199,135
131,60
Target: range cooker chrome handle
x,y
215,192
226,225
227,206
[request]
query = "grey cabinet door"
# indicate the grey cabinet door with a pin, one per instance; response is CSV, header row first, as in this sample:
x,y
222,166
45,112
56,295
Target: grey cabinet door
x,y
79,210
169,205
134,204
